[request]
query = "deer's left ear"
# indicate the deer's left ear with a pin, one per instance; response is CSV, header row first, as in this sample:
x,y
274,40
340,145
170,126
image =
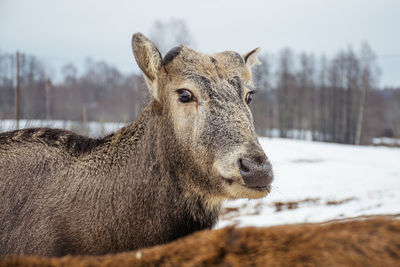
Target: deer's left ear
x,y
149,60
250,58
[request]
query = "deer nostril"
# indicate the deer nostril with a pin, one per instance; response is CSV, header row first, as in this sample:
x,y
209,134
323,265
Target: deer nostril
x,y
243,166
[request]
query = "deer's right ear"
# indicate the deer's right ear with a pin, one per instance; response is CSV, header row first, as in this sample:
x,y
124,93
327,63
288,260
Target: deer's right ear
x,y
149,60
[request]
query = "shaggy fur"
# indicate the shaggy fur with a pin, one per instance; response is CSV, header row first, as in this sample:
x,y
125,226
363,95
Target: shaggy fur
x,y
160,178
372,242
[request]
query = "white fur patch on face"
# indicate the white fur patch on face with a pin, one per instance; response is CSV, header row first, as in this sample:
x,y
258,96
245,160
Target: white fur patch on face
x,y
236,190
226,166
227,170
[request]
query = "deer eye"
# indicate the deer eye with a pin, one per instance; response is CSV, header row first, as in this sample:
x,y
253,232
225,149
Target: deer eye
x,y
249,97
185,95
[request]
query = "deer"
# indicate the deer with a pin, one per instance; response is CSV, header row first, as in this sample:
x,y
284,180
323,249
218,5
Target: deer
x,y
160,178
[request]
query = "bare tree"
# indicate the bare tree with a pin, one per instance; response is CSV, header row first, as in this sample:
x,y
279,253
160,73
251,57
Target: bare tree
x,y
369,73
262,106
285,85
305,102
323,109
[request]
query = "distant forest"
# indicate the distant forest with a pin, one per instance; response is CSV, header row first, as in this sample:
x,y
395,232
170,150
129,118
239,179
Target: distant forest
x,y
298,95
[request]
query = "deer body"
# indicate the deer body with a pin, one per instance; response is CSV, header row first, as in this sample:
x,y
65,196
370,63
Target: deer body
x,y
61,193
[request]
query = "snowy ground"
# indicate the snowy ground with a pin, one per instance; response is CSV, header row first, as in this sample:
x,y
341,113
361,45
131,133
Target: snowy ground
x,y
318,181
91,128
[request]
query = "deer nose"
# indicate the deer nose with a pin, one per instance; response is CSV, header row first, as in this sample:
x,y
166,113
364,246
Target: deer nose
x,y
256,174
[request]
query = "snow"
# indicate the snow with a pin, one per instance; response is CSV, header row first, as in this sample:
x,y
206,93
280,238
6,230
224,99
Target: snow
x,y
91,128
386,141
321,182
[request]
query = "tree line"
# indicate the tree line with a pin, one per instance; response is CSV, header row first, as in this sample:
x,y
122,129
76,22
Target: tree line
x,y
298,95
325,99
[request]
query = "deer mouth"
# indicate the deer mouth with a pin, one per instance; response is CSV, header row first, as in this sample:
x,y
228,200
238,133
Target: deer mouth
x,y
260,188
263,188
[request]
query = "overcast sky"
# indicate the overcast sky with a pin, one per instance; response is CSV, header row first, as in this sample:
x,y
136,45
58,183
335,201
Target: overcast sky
x,y
62,31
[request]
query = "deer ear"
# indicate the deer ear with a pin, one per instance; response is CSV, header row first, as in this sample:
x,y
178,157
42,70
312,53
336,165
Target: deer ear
x,y
149,60
251,57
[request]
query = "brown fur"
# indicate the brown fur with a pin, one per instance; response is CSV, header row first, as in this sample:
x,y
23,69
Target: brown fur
x,y
371,242
160,178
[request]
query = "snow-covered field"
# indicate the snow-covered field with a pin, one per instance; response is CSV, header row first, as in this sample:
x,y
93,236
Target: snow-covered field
x,y
91,128
316,182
